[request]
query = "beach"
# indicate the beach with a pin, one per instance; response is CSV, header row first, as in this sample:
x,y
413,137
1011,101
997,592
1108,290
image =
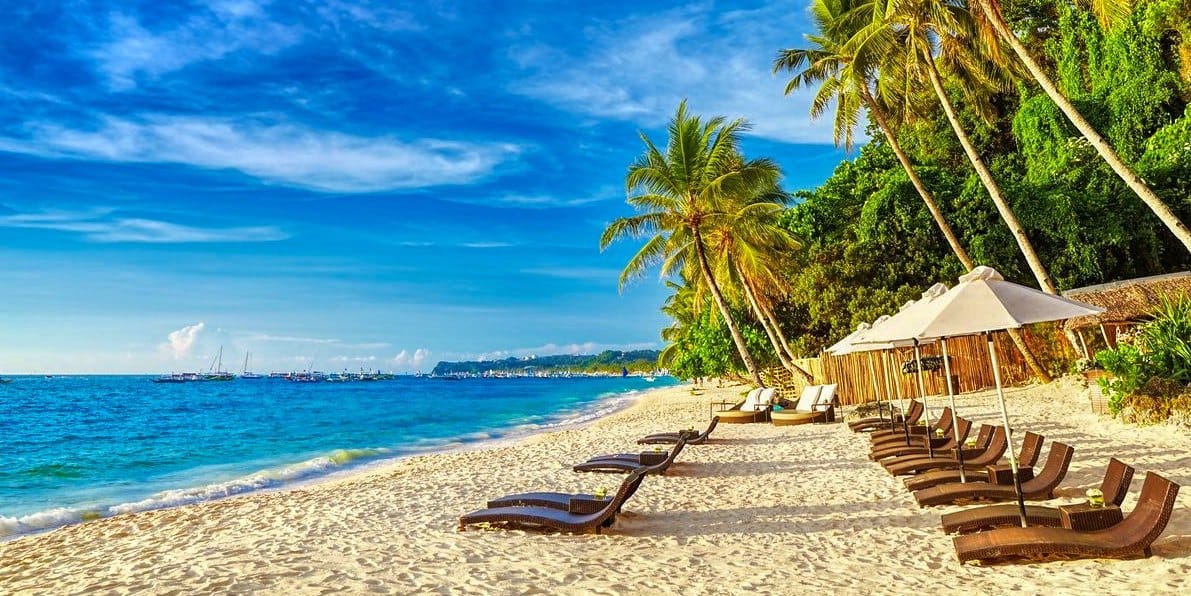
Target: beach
x,y
758,509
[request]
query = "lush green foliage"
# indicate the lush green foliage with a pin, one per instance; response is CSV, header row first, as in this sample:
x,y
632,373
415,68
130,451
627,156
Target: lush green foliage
x,y
1159,349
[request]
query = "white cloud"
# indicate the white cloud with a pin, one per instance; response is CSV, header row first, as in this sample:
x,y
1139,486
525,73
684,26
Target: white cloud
x,y
132,52
179,342
583,273
99,226
639,69
282,153
406,360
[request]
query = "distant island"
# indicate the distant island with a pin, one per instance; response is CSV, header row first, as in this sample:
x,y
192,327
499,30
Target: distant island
x,y
606,362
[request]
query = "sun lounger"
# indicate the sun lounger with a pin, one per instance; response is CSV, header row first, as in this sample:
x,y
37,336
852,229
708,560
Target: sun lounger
x,y
1031,450
1115,486
1130,538
816,404
951,439
664,438
876,424
990,446
916,412
628,462
556,500
557,519
1039,488
916,432
755,408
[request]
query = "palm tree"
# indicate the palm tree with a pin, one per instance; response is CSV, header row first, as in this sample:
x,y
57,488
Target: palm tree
x,y
844,79
916,28
844,72
748,242
1108,11
675,191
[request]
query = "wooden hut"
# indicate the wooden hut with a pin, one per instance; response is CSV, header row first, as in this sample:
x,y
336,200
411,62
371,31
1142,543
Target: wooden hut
x,y
1126,303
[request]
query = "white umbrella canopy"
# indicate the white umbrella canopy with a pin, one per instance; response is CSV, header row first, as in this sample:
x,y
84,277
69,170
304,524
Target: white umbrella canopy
x,y
982,301
844,346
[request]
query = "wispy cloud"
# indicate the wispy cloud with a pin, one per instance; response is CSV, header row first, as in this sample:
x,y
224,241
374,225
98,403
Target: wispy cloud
x,y
282,153
730,76
487,244
339,343
100,226
179,342
583,273
131,51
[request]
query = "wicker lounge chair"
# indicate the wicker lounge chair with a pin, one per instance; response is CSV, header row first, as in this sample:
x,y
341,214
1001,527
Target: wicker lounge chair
x,y
556,500
990,446
1115,486
951,439
1031,450
628,462
670,438
1039,488
872,423
881,440
916,412
755,408
558,519
877,424
1130,538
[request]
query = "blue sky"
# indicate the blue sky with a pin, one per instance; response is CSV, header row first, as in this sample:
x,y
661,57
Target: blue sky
x,y
353,184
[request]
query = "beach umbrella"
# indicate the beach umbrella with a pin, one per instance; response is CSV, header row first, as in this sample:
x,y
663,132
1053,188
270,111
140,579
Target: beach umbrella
x,y
846,346
981,303
852,344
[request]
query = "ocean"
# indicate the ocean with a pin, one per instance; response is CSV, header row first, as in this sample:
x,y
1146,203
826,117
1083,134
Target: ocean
x,y
76,448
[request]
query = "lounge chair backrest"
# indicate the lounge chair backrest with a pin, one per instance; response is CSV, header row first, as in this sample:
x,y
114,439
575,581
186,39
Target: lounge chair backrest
x,y
996,448
806,401
1148,519
1053,472
710,427
1117,478
826,395
1031,449
943,422
750,400
984,436
764,398
965,428
915,413
626,490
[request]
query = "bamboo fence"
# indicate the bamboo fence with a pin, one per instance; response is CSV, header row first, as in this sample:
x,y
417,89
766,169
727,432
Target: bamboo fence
x,y
970,367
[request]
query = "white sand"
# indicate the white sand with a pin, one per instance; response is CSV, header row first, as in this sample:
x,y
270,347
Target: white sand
x,y
774,509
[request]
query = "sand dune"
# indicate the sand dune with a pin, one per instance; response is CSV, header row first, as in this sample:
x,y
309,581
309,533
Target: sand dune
x,y
762,508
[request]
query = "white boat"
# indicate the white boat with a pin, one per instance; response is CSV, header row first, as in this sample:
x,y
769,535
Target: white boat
x,y
245,373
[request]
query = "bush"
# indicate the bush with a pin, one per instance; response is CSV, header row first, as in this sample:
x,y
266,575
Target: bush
x,y
1154,365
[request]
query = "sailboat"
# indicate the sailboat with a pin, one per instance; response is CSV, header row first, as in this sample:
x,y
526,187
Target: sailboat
x,y
216,372
244,373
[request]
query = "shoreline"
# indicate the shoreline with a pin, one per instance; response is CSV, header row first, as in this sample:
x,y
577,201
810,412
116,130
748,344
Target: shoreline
x,y
785,509
320,469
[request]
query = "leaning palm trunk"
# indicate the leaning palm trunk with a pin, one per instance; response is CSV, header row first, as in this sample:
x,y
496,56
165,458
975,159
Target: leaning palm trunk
x,y
781,336
782,354
994,191
716,295
927,198
961,254
1132,180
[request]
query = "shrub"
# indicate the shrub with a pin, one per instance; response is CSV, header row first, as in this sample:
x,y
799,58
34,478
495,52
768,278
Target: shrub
x,y
1154,362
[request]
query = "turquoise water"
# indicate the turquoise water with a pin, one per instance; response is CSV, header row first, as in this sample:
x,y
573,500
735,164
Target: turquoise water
x,y
75,448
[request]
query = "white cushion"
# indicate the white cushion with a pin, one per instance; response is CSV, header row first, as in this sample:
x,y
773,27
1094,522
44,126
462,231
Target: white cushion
x,y
810,394
827,395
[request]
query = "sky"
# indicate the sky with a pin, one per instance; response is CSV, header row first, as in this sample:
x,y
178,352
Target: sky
x,y
348,185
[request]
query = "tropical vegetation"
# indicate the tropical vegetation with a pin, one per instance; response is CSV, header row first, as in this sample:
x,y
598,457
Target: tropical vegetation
x,y
1048,139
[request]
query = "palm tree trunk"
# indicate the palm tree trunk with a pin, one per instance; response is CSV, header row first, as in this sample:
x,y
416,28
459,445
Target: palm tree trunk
x,y
1132,180
737,338
777,330
927,197
994,191
782,354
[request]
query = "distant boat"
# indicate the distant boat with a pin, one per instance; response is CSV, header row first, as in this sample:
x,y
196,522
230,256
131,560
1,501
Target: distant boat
x,y
650,378
172,378
216,372
4,381
244,373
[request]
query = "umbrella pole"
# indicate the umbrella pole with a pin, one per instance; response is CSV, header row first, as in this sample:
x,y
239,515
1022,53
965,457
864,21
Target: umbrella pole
x,y
959,448
893,389
930,449
897,386
872,371
1021,502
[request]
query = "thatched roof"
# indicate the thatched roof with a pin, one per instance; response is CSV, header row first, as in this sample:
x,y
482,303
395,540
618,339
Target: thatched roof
x,y
1130,300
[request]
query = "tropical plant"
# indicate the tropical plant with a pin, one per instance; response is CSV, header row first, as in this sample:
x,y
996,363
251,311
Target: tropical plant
x,y
1110,12
676,190
1160,349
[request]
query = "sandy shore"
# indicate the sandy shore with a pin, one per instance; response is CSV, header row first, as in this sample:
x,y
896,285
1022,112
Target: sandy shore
x,y
761,509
